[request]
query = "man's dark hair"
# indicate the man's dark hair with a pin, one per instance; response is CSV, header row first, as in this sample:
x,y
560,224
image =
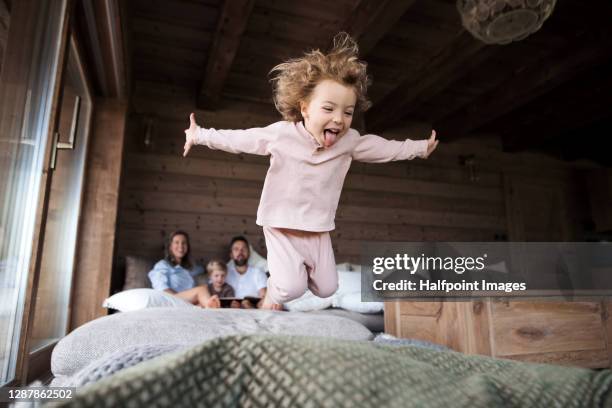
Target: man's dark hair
x,y
239,238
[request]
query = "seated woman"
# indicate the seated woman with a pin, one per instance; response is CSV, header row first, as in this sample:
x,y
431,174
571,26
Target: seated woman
x,y
174,274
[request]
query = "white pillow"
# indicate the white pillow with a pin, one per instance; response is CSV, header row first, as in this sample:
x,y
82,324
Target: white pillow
x,y
136,299
352,302
348,282
356,267
257,260
308,302
348,295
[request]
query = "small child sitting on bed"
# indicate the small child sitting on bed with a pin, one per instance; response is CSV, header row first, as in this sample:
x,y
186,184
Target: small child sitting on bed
x,y
311,151
217,272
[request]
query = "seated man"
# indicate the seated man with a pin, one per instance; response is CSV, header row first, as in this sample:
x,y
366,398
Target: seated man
x,y
245,279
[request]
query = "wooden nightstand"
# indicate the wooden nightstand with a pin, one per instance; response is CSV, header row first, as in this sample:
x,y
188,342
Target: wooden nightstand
x,y
567,333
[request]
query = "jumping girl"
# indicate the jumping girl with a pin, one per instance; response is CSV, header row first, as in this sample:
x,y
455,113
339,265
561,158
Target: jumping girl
x,y
310,154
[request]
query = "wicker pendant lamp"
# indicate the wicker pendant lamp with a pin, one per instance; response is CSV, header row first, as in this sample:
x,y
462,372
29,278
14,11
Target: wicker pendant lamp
x,y
504,21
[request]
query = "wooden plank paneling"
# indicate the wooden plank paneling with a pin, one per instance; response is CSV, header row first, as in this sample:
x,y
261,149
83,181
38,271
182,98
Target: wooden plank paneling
x,y
447,65
5,18
168,139
227,187
191,14
232,21
246,206
256,172
520,89
371,20
170,33
95,252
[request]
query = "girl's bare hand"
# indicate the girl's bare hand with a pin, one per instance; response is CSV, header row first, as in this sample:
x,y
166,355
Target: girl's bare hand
x,y
190,134
432,143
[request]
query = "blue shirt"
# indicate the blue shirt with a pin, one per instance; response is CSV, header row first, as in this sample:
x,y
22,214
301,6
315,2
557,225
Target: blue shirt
x,y
166,276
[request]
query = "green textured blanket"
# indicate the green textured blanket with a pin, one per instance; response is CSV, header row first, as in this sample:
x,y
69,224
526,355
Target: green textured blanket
x,y
282,371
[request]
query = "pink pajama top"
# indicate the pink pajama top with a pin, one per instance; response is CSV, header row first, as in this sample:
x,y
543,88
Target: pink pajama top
x,y
304,181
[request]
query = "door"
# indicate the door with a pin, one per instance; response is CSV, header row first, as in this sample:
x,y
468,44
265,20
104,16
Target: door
x,y
51,308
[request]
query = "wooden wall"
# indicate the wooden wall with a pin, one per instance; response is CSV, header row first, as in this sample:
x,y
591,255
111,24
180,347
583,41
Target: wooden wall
x,y
5,19
97,229
214,195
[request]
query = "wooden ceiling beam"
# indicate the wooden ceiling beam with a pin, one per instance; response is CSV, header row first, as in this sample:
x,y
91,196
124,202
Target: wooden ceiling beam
x,y
531,83
371,20
232,23
462,55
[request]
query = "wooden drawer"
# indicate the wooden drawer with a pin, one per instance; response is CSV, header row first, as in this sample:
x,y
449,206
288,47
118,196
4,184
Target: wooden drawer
x,y
568,333
549,332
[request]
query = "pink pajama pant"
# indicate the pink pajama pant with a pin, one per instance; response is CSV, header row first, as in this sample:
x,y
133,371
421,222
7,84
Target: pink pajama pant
x,y
298,260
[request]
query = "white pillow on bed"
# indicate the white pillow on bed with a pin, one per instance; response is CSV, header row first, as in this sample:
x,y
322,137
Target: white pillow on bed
x,y
136,299
352,302
348,295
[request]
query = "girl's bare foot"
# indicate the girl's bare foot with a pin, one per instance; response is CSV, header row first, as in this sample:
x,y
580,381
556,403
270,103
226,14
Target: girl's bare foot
x,y
213,302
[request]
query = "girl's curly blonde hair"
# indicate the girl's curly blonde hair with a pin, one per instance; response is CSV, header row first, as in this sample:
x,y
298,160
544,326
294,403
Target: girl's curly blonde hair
x,y
294,80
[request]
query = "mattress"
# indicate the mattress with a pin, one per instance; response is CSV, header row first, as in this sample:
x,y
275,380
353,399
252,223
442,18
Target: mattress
x,y
187,327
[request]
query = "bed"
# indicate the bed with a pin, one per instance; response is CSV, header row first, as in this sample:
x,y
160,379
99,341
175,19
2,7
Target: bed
x,y
151,323
188,356
299,371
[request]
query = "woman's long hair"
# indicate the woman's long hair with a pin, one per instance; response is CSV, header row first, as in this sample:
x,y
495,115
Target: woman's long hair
x,y
186,261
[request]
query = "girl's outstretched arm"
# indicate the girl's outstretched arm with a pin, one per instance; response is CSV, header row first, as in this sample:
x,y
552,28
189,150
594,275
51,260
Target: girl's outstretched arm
x,y
254,141
375,149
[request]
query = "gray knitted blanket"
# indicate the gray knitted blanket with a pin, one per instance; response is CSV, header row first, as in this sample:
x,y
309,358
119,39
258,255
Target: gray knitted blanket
x,y
283,371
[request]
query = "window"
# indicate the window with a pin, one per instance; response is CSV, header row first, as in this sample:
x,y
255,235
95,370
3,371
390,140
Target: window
x,y
23,144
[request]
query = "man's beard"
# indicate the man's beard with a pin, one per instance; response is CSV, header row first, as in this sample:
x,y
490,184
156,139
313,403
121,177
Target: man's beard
x,y
241,261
